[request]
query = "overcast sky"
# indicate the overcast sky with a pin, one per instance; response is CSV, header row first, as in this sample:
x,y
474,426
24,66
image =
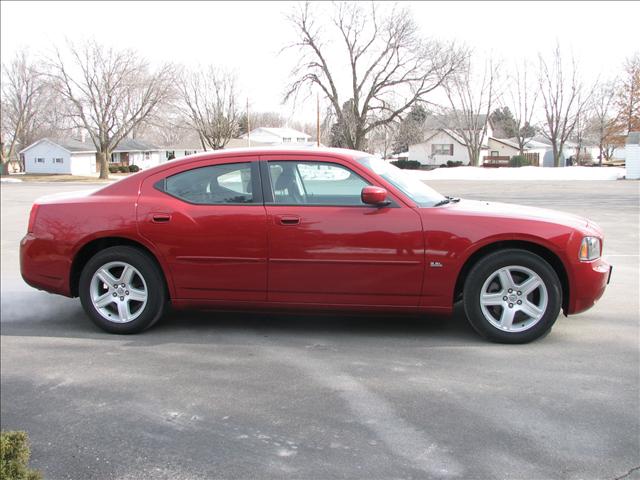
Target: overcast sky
x,y
247,36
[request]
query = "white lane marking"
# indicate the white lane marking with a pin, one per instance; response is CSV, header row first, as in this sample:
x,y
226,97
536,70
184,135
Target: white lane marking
x,y
402,438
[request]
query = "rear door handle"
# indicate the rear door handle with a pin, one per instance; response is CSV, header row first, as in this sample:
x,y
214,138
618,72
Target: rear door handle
x,y
288,220
160,217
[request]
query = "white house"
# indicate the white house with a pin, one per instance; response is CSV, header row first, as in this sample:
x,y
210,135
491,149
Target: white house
x,y
74,157
278,136
632,150
439,147
70,157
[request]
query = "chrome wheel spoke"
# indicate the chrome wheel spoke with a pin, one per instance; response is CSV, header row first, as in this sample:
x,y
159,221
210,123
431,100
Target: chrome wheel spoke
x,y
532,310
506,280
123,311
103,300
492,298
137,295
127,274
104,275
506,319
529,285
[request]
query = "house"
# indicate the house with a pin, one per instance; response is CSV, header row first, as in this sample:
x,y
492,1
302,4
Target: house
x,y
632,151
74,157
174,152
439,147
135,152
68,156
443,143
278,136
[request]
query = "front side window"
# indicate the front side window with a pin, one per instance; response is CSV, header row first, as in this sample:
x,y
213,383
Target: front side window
x,y
315,183
229,183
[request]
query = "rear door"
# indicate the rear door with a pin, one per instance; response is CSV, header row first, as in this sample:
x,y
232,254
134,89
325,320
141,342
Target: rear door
x,y
208,221
326,246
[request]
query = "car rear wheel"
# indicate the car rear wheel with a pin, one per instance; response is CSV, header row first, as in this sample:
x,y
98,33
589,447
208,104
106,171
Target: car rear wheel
x,y
512,296
122,290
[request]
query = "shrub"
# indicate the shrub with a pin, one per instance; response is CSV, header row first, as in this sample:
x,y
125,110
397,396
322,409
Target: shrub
x,y
113,169
14,457
407,164
519,161
123,169
452,163
134,168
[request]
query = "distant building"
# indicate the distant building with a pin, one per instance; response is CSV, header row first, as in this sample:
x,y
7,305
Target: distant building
x,y
632,151
74,157
278,136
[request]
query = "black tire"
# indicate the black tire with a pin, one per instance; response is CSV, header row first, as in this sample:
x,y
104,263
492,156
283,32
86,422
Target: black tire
x,y
484,270
156,299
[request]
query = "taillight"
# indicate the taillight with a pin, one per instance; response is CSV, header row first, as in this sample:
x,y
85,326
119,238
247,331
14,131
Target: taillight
x,y
32,217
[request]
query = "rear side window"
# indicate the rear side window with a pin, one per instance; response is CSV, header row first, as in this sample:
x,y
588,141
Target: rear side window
x,y
230,183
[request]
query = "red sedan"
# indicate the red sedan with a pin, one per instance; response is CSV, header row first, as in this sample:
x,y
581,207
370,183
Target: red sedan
x,y
308,230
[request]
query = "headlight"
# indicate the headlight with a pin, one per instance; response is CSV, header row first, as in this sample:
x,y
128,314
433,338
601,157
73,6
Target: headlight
x,y
590,248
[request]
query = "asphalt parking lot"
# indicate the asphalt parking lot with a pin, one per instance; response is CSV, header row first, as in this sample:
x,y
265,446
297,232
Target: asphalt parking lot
x,y
210,395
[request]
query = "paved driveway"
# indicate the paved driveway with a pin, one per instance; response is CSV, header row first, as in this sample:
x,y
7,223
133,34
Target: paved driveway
x,y
206,395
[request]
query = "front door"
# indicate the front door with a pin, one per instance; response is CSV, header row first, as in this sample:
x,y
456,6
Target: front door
x,y
327,247
209,223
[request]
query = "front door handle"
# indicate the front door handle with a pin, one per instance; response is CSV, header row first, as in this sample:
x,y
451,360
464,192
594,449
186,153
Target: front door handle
x,y
160,217
288,220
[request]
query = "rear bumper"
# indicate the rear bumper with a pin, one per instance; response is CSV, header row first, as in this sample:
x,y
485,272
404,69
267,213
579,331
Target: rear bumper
x,y
42,267
590,280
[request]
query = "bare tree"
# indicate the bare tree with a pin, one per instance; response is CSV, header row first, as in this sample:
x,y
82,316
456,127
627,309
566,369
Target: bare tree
x,y
471,98
563,98
628,96
603,128
209,100
522,95
109,92
25,99
386,61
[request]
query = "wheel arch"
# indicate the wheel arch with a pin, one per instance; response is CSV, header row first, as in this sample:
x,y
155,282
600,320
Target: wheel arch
x,y
90,248
542,251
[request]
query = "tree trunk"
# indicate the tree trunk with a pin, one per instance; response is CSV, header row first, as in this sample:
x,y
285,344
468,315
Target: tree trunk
x,y
102,158
556,156
5,167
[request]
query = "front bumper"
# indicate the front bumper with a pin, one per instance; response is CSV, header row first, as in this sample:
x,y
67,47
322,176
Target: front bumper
x,y
590,279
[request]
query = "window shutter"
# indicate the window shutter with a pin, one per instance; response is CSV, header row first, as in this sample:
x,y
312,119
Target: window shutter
x,y
451,149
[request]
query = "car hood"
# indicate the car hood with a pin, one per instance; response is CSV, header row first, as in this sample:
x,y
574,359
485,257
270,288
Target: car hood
x,y
514,211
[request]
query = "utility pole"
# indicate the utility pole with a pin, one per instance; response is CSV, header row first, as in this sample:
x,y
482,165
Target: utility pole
x,y
317,119
248,124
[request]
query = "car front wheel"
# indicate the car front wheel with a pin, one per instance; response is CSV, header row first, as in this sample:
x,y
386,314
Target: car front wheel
x,y
122,290
512,296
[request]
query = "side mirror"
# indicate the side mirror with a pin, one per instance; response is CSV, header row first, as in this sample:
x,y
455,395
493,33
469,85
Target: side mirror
x,y
374,196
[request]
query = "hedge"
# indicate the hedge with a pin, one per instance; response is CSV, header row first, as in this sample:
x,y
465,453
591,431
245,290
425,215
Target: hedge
x,y
14,457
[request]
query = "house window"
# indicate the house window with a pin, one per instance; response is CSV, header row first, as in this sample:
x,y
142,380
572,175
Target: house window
x,y
115,158
442,149
300,139
495,153
147,155
58,160
39,160
286,139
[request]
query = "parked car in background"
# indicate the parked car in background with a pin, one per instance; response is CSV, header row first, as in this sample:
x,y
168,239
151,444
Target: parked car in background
x,y
308,229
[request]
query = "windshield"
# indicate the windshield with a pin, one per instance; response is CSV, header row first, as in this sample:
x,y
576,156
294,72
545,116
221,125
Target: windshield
x,y
413,188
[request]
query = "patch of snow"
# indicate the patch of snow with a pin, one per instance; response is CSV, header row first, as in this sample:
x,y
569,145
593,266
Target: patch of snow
x,y
521,173
10,180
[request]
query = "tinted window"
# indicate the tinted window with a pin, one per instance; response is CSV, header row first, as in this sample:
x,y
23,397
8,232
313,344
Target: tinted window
x,y
214,185
315,183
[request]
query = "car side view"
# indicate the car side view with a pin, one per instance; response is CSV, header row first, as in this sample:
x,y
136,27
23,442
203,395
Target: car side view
x,y
308,229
